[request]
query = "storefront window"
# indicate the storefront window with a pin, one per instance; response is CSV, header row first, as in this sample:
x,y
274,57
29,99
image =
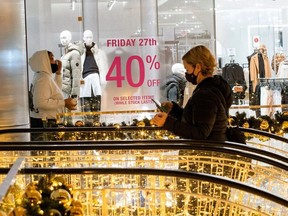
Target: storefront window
x,y
184,24
46,19
247,30
140,39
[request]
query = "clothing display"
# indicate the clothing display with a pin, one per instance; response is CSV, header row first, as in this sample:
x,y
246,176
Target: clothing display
x,y
274,91
270,95
95,68
282,69
233,73
276,61
71,64
259,67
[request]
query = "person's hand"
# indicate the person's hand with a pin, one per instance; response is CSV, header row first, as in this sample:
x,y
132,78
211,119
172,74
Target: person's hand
x,y
71,103
59,66
168,106
159,119
237,89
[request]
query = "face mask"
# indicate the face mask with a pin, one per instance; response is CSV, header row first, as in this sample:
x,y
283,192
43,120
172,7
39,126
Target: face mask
x,y
191,77
54,68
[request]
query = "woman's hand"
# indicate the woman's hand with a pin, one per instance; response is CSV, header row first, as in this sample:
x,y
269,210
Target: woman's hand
x,y
59,63
167,105
159,119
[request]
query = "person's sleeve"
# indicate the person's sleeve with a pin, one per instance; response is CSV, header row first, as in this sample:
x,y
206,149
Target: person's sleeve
x,y
176,111
58,80
200,122
43,91
76,73
103,68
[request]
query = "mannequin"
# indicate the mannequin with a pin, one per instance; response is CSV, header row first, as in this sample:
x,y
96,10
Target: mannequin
x,y
175,84
95,68
71,65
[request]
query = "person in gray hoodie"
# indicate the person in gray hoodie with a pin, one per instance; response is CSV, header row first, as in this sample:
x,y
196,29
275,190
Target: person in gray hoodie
x,y
48,100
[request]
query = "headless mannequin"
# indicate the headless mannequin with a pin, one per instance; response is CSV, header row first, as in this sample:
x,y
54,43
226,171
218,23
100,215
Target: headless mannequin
x,y
94,71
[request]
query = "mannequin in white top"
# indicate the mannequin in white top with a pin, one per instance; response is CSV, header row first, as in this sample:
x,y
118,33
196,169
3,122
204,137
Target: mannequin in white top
x,y
94,70
71,65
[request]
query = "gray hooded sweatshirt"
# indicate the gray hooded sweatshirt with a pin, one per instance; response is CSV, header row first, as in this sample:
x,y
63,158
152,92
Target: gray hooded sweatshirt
x,y
48,98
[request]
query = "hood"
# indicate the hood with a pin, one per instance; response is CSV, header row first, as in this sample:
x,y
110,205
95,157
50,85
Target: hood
x,y
75,46
225,89
40,61
220,83
178,68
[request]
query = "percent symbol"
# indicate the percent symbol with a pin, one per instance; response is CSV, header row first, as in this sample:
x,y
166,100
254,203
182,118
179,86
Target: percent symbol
x,y
152,61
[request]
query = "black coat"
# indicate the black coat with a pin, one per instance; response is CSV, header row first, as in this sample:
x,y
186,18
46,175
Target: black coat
x,y
204,117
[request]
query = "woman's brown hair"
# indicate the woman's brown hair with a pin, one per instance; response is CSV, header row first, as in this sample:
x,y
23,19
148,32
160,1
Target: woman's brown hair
x,y
201,55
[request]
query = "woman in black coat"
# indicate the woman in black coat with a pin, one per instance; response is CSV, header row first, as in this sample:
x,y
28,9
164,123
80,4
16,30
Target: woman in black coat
x,y
205,115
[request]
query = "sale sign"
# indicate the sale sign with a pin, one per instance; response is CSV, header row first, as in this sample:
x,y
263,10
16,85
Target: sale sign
x,y
134,74
256,41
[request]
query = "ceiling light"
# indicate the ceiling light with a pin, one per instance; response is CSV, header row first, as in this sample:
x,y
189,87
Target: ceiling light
x,y
111,4
73,4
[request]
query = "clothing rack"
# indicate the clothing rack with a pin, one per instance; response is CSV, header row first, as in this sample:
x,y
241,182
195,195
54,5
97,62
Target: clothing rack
x,y
273,82
274,79
245,65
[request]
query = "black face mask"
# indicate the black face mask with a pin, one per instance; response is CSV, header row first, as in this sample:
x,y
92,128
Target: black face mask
x,y
54,68
191,77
